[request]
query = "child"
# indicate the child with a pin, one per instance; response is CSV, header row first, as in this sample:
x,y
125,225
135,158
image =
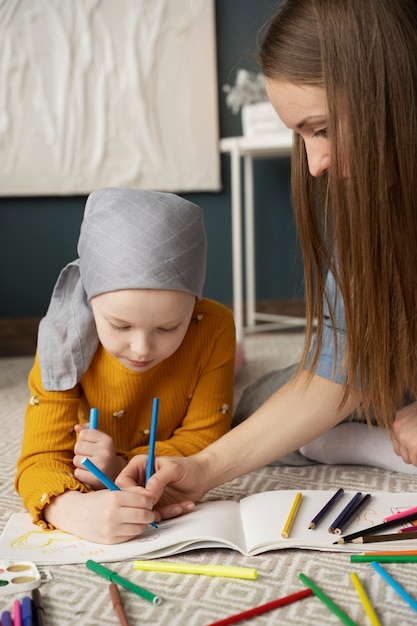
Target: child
x,y
126,323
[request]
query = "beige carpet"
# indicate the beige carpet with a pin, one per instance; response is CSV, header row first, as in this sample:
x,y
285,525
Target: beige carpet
x,y
73,594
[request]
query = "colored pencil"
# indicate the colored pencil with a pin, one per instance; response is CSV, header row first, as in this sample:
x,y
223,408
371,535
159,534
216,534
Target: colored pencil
x,y
395,585
117,602
291,516
101,476
38,610
327,507
388,537
263,608
391,553
152,440
409,529
345,619
397,516
369,609
93,418
383,558
6,618
353,513
17,613
375,529
339,521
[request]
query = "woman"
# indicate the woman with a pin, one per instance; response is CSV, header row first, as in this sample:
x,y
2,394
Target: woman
x,y
343,76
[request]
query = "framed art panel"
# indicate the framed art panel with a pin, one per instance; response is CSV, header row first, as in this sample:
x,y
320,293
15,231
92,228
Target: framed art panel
x,y
100,93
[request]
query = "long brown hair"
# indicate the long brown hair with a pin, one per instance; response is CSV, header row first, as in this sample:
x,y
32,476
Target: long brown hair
x,y
359,220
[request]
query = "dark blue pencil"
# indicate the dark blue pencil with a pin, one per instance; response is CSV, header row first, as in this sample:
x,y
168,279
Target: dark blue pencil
x,y
352,513
317,519
338,522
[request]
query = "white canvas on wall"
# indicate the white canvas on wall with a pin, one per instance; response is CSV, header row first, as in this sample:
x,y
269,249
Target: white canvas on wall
x,y
98,93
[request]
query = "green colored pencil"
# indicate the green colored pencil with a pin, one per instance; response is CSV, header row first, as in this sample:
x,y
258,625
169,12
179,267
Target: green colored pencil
x,y
345,619
383,558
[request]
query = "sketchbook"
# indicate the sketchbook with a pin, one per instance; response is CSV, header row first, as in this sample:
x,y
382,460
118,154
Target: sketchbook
x,y
251,527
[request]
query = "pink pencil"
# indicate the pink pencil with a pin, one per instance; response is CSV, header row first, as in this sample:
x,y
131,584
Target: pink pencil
x,y
408,529
400,515
17,613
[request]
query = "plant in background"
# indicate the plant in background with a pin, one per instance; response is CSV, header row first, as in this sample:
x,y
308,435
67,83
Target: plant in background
x,y
249,88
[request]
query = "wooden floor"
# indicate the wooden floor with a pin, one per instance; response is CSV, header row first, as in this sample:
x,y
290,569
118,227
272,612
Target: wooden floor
x,y
18,336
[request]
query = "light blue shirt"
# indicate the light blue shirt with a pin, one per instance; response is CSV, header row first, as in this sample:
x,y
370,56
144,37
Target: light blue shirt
x,y
329,364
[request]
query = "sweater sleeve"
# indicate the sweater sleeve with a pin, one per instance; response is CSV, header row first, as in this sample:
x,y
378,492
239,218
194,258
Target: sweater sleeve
x,y
44,468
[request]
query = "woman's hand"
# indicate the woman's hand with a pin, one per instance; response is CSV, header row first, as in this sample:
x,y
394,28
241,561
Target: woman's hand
x,y
405,433
99,447
176,484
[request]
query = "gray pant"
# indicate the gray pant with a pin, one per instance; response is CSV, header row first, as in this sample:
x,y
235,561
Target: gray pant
x,y
256,394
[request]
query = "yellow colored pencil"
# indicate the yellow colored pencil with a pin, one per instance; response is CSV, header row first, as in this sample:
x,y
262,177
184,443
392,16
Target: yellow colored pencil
x,y
365,600
291,517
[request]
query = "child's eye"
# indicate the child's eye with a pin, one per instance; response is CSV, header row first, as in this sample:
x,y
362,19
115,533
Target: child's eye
x,y
168,330
119,328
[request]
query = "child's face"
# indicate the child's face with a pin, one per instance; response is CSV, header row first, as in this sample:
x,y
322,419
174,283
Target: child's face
x,y
142,327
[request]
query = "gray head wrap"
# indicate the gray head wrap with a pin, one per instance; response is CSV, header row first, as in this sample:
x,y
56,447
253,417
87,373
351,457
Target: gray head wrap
x,y
130,239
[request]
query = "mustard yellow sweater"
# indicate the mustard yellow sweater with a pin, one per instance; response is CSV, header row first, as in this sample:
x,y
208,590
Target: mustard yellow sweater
x,y
194,385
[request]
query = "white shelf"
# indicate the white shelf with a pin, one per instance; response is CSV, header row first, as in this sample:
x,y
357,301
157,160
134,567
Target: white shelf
x,y
248,148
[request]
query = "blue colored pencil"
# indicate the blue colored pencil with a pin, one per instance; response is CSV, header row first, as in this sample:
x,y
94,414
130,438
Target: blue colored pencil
x,y
88,464
338,522
93,418
152,440
317,519
395,585
6,618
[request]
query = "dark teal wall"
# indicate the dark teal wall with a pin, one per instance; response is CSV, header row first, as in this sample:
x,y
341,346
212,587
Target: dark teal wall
x,y
39,235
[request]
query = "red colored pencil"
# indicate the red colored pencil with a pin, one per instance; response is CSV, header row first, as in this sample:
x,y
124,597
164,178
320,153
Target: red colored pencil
x,y
264,608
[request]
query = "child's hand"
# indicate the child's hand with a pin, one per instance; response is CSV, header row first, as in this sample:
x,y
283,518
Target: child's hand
x,y
102,516
98,447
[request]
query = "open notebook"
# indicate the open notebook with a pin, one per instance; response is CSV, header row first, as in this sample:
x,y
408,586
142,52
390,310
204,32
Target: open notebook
x,y
251,526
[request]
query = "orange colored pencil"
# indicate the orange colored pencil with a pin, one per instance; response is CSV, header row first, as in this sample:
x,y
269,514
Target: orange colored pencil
x,y
392,553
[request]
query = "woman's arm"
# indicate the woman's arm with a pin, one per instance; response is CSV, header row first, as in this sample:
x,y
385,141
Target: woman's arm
x,y
296,414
